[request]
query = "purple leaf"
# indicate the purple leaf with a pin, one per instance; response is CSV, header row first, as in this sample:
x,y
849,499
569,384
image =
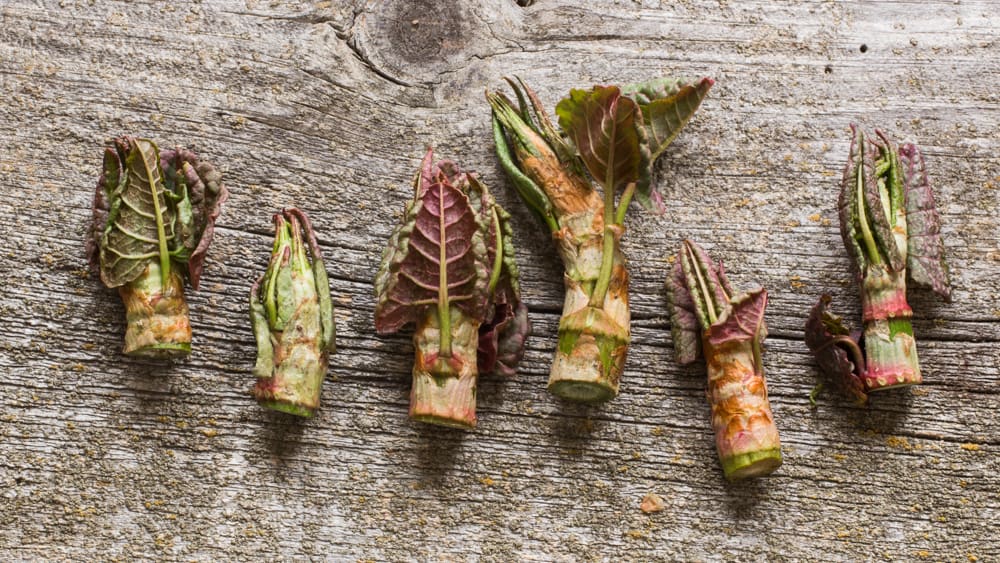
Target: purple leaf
x,y
925,261
604,126
743,319
684,326
205,194
833,346
437,252
502,337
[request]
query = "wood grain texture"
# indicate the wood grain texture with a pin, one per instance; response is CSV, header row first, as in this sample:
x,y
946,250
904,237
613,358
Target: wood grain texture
x,y
329,106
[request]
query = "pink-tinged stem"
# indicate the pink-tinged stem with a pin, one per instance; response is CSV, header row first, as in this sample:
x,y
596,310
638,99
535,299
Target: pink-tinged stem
x,y
889,342
444,387
157,315
745,434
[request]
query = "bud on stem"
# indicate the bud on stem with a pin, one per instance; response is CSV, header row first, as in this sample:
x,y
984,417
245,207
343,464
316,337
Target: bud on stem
x,y
292,318
732,331
610,137
153,218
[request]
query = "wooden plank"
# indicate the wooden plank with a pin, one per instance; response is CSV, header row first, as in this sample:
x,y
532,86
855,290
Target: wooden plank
x,y
328,106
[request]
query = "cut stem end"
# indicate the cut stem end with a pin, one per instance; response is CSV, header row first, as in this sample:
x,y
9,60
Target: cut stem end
x,y
884,382
287,407
587,367
751,464
445,401
160,350
583,391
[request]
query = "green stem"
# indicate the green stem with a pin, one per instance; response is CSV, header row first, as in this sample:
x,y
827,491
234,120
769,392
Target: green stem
x,y
890,347
443,309
498,253
624,202
604,278
157,316
607,252
161,233
866,232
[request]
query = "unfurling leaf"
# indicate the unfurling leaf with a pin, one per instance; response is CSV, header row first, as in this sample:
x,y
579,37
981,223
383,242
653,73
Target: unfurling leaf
x,y
449,270
731,331
703,281
698,293
603,126
198,187
684,326
834,349
850,229
502,335
885,208
925,260
153,205
890,227
140,223
436,256
666,104
742,319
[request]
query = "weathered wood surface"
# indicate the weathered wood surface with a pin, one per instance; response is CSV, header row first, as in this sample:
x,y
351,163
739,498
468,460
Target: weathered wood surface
x,y
328,106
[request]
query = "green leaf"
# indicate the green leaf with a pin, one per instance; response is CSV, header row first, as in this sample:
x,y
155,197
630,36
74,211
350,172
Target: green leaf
x,y
604,126
883,193
666,104
153,206
850,227
140,224
320,277
261,332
